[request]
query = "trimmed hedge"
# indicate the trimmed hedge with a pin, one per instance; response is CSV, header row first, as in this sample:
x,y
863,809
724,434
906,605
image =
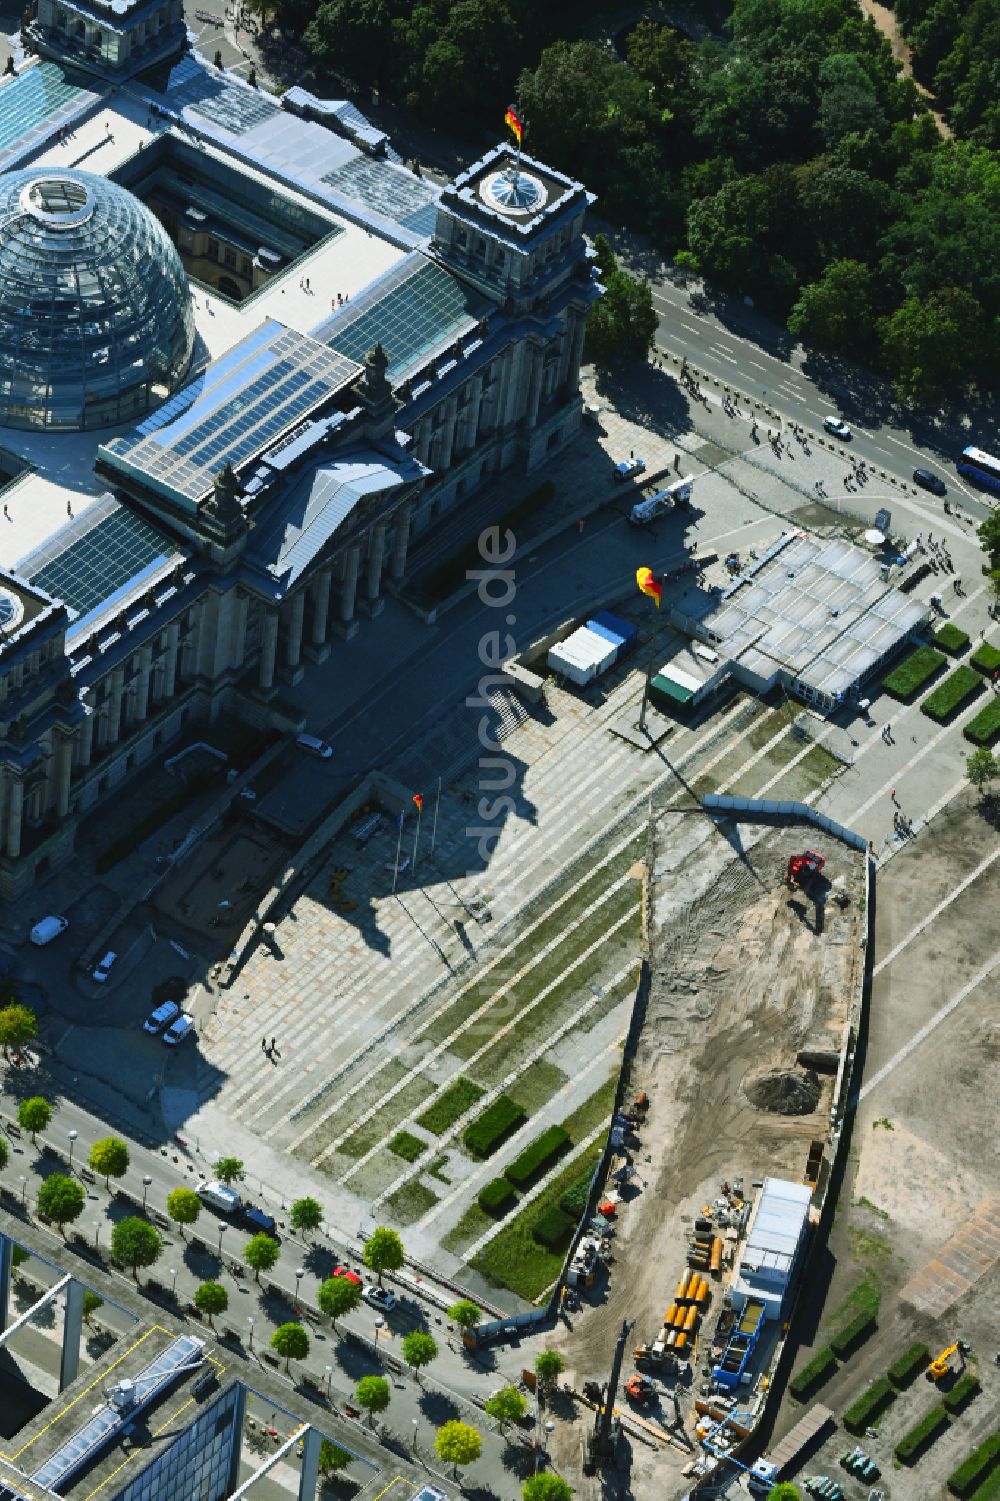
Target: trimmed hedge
x,y
911,675
908,1366
962,1393
951,639
574,1200
537,1157
844,1341
456,1100
819,1369
552,1228
497,1197
984,728
407,1146
912,1444
977,1468
868,1406
947,696
985,658
497,1122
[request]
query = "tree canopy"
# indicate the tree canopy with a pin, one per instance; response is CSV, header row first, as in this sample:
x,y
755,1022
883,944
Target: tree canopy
x,y
465,1313
183,1206
134,1243
373,1394
458,1443
549,1366
229,1169
506,1405
109,1158
211,1298
337,1296
260,1253
18,1027
61,1199
546,1487
34,1114
419,1348
383,1251
291,1341
306,1214
622,325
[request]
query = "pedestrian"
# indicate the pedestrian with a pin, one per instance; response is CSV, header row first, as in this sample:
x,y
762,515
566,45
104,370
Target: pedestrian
x,y
888,734
263,1044
274,1044
895,798
579,526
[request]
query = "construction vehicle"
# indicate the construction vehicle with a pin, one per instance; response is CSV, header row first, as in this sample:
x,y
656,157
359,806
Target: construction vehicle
x,y
801,868
940,1368
639,1388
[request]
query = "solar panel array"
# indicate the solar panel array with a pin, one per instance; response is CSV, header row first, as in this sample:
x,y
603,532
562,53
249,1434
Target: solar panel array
x,y
235,108
389,190
33,103
243,403
85,563
416,308
106,1421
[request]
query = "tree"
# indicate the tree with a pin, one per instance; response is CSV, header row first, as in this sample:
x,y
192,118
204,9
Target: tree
x,y
989,537
260,1253
332,1457
291,1341
546,1487
383,1251
229,1169
109,1158
4,1153
18,1027
61,1199
372,1393
211,1298
352,33
784,1491
622,326
934,342
135,1243
338,1296
419,1348
183,1207
549,1365
307,1214
506,1405
91,1303
34,1115
465,1314
981,768
458,1443
836,310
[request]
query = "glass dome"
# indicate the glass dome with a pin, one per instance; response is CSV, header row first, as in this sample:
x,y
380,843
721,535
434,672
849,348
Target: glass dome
x,y
96,326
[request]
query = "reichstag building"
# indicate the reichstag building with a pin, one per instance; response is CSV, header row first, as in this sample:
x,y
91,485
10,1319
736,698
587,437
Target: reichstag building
x,y
246,358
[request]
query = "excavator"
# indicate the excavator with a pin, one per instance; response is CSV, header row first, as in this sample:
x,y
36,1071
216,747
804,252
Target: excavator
x,y
940,1367
801,868
639,1388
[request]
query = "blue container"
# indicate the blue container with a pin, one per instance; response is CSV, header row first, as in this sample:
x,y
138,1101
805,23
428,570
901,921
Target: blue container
x,y
615,629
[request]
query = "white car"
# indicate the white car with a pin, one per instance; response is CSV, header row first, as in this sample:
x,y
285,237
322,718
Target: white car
x,y
629,468
838,427
50,927
104,968
380,1297
161,1017
314,746
218,1196
178,1030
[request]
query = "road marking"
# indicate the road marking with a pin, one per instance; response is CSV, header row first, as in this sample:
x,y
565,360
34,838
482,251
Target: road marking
x,y
936,911
756,366
925,1031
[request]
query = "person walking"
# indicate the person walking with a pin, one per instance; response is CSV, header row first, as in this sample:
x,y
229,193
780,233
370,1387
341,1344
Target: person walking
x,y
895,798
263,1045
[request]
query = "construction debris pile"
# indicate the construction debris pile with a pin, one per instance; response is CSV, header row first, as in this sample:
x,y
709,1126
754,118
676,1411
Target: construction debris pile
x,y
784,1091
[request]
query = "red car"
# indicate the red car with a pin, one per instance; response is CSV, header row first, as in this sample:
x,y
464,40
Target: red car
x,y
345,1271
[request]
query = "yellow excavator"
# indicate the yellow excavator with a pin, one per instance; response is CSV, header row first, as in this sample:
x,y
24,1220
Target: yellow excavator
x,y
942,1365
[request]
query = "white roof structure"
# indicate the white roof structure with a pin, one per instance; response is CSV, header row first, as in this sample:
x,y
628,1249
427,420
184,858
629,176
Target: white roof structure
x,y
777,1226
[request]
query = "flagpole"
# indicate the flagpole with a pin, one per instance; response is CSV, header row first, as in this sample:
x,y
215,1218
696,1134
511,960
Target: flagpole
x,y
416,834
437,804
399,841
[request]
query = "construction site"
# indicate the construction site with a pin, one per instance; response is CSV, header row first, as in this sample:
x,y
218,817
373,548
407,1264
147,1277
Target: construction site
x,y
756,937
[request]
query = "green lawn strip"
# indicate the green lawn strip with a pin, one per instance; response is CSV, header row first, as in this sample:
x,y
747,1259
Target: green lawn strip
x,y
951,639
949,694
402,1105
984,728
537,1085
513,1258
409,1203
472,1224
985,658
906,680
594,1109
864,1295
407,1146
391,1072
921,1435
459,1097
496,1198
631,936
777,757
773,722
989,1490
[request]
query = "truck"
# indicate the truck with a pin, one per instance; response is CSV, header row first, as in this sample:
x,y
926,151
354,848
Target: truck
x,y
677,494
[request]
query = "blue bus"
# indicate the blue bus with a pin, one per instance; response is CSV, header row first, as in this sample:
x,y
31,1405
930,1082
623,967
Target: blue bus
x,y
982,468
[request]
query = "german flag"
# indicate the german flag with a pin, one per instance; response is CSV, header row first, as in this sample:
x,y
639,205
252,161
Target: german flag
x,y
649,585
513,119
419,801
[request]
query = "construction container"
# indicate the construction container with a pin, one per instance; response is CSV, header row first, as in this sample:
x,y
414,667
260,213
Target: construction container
x,y
691,1320
679,1318
715,1260
682,1287
616,627
671,1339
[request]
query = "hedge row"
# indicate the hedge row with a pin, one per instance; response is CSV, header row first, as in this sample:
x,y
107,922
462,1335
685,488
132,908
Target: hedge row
x,y
819,1369
552,1227
984,728
861,1325
539,1155
868,1406
951,639
908,1366
924,1433
962,1392
446,1110
911,675
956,688
574,1200
977,1468
407,1146
496,1123
985,658
497,1197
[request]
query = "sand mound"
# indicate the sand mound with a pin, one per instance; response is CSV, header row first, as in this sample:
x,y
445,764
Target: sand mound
x,y
783,1091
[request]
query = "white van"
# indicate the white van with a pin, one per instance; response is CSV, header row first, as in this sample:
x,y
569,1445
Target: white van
x,y
50,927
218,1196
314,746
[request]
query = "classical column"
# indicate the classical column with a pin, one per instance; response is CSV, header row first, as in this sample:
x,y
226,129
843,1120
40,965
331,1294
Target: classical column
x,y
15,813
579,331
115,705
268,649
318,650
425,430
373,581
400,542
470,422
347,625
87,736
534,385
64,771
448,431
239,651
170,660
142,690
293,640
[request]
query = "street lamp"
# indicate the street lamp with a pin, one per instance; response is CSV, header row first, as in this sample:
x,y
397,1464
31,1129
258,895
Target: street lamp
x,y
97,1233
329,1378
72,1146
416,1425
299,1274
173,1282
24,1189
222,1231
250,1321
146,1183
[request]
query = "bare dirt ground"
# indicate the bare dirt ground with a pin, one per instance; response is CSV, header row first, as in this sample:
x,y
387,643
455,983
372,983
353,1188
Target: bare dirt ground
x,y
741,981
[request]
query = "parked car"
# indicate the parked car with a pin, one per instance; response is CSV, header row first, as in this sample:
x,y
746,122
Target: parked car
x,y
928,480
313,746
345,1271
218,1196
161,1017
380,1298
838,427
105,967
258,1220
50,927
179,1030
629,468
